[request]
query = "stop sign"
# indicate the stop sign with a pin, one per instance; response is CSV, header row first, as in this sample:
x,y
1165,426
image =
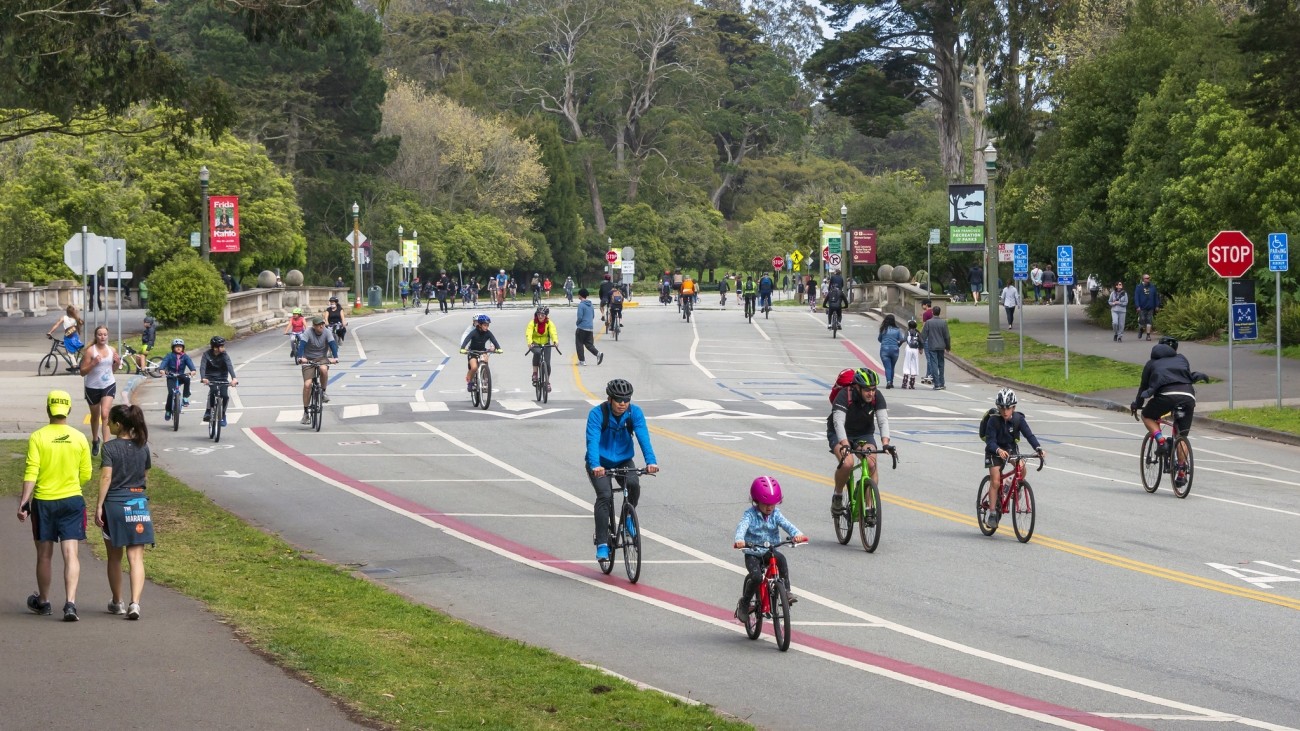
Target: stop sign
x,y
778,262
1230,254
611,256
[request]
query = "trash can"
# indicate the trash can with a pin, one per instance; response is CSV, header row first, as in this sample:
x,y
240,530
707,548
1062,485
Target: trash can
x,y
375,296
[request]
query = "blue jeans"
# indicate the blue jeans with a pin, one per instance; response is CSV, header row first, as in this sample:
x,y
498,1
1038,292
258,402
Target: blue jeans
x,y
889,358
934,361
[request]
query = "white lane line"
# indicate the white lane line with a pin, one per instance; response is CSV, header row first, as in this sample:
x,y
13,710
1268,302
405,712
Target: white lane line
x,y
788,374
759,328
787,405
385,480
287,416
695,344
697,404
355,410
419,406
520,405
1199,468
509,515
932,409
386,455
835,624
232,417
642,686
1077,414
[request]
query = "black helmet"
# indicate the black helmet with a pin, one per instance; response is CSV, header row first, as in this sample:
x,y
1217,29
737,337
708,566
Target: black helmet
x,y
1171,342
618,388
216,341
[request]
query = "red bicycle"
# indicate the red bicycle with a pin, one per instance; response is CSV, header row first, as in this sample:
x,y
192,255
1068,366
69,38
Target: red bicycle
x,y
1017,498
1176,460
772,600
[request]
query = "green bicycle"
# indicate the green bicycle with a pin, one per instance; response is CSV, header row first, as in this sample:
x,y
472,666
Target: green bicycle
x,y
864,506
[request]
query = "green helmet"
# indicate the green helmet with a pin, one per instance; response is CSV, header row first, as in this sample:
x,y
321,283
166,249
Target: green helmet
x,y
866,378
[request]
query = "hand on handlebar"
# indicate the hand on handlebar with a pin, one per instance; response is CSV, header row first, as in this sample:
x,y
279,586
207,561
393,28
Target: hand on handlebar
x,y
651,468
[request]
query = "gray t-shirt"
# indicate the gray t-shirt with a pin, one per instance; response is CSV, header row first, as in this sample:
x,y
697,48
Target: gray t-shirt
x,y
318,345
129,463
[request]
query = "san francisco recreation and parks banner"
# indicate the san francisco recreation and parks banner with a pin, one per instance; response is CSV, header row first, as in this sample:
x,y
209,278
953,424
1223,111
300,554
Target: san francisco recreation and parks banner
x,y
223,224
965,218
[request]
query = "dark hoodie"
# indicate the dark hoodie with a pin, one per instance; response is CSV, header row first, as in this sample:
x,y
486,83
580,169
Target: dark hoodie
x,y
1167,371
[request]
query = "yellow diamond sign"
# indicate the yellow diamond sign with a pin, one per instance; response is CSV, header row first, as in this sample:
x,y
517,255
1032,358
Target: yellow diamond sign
x,y
796,257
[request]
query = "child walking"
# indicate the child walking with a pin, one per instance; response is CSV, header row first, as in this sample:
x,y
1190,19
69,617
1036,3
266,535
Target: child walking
x,y
911,355
762,523
123,509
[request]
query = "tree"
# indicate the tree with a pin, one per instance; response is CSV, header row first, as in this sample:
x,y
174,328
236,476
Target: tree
x,y
556,215
695,237
1267,38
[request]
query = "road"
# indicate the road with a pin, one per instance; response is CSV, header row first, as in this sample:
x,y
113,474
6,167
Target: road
x,y
1126,609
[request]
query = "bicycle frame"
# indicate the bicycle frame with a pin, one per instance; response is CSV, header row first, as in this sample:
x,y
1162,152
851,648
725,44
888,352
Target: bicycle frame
x,y
619,537
867,513
1016,497
771,598
1177,459
542,388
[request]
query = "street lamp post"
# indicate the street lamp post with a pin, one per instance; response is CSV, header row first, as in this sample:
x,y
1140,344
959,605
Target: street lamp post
x,y
356,253
845,245
995,342
205,244
401,249
817,248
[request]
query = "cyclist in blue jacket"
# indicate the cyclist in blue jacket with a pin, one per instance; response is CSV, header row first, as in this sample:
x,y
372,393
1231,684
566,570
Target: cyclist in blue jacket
x,y
1001,441
610,427
178,367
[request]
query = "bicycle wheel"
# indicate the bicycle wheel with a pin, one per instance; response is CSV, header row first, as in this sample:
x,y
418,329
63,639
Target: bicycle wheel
x,y
688,312
213,432
869,525
1183,467
767,311
844,521
781,615
484,386
754,620
982,507
835,328
474,390
1150,464
1022,512
631,542
617,327
49,365
177,405
316,404
607,564
151,369
219,416
545,382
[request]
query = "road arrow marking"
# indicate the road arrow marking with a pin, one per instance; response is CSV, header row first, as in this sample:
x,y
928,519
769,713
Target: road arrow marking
x,y
236,475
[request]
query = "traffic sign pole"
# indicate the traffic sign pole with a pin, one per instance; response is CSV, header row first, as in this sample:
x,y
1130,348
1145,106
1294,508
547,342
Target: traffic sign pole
x,y
1230,343
1278,261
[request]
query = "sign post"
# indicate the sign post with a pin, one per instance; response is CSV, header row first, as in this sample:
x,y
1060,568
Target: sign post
x,y
1065,277
1230,254
1279,260
1020,273
929,273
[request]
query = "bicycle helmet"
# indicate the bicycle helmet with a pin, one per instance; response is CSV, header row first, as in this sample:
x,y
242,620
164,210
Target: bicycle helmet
x,y
607,277
865,378
297,310
148,319
1006,397
482,319
1167,340
179,342
334,299
217,341
765,491
542,311
618,388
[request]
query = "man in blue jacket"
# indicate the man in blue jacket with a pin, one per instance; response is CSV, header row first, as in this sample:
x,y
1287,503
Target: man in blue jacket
x,y
765,287
1147,302
610,427
586,337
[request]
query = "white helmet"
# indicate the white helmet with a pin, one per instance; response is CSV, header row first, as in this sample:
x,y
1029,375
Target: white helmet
x,y
1006,397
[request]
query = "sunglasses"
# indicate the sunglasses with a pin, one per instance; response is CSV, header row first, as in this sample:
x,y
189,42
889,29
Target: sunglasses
x,y
621,400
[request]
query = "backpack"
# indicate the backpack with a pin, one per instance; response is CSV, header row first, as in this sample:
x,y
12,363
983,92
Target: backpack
x,y
616,296
914,339
843,381
984,426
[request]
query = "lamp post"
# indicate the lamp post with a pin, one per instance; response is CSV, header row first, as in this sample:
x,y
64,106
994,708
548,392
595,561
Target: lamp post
x,y
845,245
995,342
356,254
817,249
205,244
401,249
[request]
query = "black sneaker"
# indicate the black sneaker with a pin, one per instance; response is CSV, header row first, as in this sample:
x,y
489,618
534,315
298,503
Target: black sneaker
x,y
991,518
207,416
600,358
94,448
837,505
70,612
37,606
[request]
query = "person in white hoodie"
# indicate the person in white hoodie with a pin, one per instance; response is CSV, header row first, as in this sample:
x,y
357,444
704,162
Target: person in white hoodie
x,y
1010,302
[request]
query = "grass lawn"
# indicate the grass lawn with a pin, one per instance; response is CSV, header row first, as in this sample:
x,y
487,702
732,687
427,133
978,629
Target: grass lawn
x,y
1285,419
390,659
1044,364
1288,351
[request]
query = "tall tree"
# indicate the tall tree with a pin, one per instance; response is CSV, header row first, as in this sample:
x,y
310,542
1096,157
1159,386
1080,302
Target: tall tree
x,y
556,215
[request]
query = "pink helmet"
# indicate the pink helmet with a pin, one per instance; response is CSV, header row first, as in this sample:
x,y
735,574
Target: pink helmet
x,y
765,491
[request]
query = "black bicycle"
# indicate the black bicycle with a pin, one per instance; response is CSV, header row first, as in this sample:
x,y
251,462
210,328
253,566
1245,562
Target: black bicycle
x,y
687,306
835,324
625,532
216,409
749,308
1176,460
316,399
50,363
480,386
614,322
542,384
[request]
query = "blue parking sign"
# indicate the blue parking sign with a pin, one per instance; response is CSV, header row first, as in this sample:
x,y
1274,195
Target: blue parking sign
x,y
1278,254
1020,259
1065,265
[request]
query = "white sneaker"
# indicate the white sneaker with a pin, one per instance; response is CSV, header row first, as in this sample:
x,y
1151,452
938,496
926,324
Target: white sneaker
x,y
133,611
306,419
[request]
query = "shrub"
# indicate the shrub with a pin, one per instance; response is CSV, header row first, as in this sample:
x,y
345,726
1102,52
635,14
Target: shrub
x,y
1290,324
186,290
1194,316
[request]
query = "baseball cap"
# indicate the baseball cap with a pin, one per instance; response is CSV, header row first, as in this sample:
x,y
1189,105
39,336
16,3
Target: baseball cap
x,y
59,403
318,320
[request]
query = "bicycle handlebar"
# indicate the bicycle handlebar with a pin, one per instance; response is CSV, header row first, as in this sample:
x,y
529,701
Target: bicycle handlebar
x,y
623,471
890,450
1022,457
548,345
768,547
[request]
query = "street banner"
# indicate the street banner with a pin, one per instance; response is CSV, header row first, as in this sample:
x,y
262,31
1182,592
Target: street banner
x,y
966,218
223,224
410,252
863,241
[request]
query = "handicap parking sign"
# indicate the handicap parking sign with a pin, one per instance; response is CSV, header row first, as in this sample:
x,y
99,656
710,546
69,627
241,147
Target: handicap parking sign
x,y
1065,265
1278,253
1020,259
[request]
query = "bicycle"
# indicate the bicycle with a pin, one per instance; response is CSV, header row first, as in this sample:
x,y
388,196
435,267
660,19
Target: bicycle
x,y
316,399
1176,460
480,386
216,408
864,506
340,331
1016,493
537,297
749,309
542,385
767,306
293,345
129,361
723,303
687,306
835,324
49,364
177,400
772,600
625,533
614,323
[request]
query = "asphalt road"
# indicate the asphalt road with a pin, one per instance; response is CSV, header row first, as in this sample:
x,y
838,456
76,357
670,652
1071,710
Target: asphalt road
x,y
1126,609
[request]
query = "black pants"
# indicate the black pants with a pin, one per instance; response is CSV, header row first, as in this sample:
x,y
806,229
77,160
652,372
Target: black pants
x,y
605,497
585,341
757,567
442,301
1011,315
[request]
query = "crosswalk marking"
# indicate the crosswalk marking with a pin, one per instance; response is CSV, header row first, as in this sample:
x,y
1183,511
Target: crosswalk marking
x,y
933,409
287,416
1079,414
232,417
787,405
697,404
428,406
355,410
511,405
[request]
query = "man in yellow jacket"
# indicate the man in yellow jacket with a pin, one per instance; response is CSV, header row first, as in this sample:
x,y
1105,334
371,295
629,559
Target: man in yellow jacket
x,y
541,332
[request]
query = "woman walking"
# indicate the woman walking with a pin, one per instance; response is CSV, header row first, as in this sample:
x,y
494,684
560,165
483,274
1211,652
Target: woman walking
x,y
890,338
123,509
98,363
1118,311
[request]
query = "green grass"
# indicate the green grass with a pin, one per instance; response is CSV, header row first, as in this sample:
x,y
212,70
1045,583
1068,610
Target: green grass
x,y
1044,364
389,659
196,337
1288,351
1285,419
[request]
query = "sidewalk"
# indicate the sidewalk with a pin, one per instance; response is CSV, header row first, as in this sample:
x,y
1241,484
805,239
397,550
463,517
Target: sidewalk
x,y
177,667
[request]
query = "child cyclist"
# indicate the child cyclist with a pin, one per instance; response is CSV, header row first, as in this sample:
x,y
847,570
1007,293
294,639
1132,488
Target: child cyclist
x,y
1002,435
178,367
477,340
215,365
762,523
296,326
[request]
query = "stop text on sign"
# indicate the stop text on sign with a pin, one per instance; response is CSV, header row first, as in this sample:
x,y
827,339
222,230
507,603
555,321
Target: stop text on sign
x,y
1234,254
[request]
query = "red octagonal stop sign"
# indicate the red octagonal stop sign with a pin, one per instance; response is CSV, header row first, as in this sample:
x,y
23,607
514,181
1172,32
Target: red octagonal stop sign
x,y
611,256
1230,254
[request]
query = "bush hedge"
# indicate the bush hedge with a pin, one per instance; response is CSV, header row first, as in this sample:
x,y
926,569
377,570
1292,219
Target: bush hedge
x,y
186,291
1198,315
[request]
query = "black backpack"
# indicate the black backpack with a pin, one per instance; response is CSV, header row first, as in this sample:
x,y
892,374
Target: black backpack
x,y
984,426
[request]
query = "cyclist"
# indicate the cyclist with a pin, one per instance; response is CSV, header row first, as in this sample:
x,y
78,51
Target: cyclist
x,y
313,346
834,304
477,340
568,289
215,365
856,413
750,290
1001,441
722,291
1167,382
606,286
70,323
765,292
535,286
666,288
762,524
615,307
297,324
689,290
540,332
147,340
178,367
610,427
336,320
